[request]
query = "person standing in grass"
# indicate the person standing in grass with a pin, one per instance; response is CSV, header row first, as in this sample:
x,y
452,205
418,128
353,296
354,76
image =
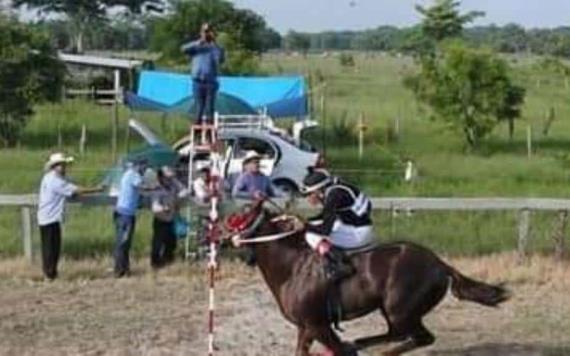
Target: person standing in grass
x,y
165,207
207,57
124,215
54,190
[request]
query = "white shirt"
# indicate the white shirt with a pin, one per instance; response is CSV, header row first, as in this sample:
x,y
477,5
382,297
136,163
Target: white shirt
x,y
54,189
201,190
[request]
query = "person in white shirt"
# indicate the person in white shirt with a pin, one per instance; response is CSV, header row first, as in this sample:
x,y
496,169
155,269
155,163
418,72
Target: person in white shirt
x,y
54,190
201,185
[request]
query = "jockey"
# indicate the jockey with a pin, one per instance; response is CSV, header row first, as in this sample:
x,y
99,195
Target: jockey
x,y
344,223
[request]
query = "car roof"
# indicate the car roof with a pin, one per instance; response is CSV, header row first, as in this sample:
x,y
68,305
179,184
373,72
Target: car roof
x,y
258,133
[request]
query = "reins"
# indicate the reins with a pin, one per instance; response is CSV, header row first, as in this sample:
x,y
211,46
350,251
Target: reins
x,y
238,240
262,239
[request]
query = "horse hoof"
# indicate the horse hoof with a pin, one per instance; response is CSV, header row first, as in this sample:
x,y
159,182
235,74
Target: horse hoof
x,y
350,349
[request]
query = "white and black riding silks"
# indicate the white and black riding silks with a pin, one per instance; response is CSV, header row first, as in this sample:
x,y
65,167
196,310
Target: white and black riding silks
x,y
345,218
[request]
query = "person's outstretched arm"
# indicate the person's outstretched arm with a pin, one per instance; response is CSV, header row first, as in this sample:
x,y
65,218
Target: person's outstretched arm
x,y
88,190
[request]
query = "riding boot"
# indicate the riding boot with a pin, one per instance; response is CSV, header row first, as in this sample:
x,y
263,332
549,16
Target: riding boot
x,y
337,265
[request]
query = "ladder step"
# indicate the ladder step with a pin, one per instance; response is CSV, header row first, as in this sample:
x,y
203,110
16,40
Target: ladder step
x,y
203,127
203,148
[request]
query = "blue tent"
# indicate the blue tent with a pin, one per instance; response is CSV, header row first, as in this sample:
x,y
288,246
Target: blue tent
x,y
172,92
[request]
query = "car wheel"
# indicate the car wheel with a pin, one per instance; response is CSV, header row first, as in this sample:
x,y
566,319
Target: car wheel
x,y
286,189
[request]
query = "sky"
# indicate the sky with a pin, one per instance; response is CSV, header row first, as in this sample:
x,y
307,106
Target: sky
x,y
320,15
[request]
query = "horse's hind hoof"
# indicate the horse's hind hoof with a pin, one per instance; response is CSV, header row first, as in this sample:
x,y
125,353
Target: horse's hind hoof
x,y
350,349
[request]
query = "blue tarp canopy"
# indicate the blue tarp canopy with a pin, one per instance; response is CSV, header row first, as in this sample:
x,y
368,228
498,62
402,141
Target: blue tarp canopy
x,y
172,93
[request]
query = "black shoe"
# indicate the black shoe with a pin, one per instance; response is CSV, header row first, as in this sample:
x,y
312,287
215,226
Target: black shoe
x,y
338,265
121,274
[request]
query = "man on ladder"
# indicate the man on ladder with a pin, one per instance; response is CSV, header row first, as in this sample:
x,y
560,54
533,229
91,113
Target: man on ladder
x,y
207,57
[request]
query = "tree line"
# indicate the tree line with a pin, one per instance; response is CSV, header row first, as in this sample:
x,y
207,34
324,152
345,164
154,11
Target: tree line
x,y
511,38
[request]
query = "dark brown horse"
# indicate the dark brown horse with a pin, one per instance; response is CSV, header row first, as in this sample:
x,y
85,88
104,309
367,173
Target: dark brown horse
x,y
403,281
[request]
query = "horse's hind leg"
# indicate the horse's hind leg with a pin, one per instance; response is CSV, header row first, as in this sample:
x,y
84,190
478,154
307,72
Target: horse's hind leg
x,y
418,336
390,336
366,342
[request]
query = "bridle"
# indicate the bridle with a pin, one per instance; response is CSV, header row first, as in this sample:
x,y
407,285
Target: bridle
x,y
244,225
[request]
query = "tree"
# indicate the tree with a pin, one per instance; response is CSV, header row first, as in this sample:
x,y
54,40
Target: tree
x,y
246,30
297,41
29,73
85,14
271,39
442,20
468,89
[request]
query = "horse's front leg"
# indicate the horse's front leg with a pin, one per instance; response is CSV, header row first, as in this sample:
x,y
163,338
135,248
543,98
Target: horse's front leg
x,y
304,342
332,343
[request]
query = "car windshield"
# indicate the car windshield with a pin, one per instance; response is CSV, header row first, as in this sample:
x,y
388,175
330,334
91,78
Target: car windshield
x,y
260,146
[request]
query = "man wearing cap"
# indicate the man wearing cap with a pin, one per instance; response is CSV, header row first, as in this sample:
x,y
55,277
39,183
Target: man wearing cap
x,y
207,57
165,207
344,223
54,190
252,184
124,215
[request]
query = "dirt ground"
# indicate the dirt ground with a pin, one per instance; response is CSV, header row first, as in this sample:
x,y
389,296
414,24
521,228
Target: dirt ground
x,y
87,312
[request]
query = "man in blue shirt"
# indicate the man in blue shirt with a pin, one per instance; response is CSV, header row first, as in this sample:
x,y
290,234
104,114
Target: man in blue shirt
x,y
207,57
125,212
252,184
54,190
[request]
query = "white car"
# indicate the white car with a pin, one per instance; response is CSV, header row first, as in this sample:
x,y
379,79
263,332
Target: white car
x,y
286,160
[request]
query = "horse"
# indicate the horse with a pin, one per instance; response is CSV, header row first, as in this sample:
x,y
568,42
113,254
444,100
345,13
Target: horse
x,y
402,280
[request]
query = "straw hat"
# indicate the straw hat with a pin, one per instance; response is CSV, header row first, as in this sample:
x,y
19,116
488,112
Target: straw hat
x,y
251,156
57,158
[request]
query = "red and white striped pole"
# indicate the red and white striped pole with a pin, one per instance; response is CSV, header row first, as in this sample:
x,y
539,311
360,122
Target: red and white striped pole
x,y
213,237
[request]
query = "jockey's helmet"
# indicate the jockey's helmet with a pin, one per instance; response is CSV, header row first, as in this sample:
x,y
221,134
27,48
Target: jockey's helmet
x,y
316,179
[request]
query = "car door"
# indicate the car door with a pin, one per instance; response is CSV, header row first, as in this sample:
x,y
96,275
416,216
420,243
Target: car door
x,y
264,148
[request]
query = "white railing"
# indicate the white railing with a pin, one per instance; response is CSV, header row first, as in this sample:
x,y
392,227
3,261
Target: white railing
x,y
524,206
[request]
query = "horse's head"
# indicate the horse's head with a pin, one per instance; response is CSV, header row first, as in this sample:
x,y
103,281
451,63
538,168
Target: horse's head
x,y
256,224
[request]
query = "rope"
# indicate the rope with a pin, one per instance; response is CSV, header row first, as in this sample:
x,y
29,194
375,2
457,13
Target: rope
x,y
262,239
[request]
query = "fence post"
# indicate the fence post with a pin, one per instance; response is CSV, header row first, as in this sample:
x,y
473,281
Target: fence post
x,y
559,235
26,212
114,130
524,229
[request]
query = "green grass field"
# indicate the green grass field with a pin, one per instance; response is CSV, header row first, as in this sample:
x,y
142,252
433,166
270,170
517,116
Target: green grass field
x,y
373,87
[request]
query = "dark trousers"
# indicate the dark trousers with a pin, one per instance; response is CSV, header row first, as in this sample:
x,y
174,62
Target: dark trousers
x,y
205,99
163,243
124,230
51,247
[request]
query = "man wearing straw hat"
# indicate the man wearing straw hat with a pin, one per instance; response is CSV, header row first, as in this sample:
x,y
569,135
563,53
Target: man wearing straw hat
x,y
54,190
252,184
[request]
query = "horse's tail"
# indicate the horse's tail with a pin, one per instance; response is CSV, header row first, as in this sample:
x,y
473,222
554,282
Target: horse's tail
x,y
465,288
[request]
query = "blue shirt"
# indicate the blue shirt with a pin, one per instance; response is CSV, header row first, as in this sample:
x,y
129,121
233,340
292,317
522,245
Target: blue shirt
x,y
54,189
206,60
247,184
129,195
